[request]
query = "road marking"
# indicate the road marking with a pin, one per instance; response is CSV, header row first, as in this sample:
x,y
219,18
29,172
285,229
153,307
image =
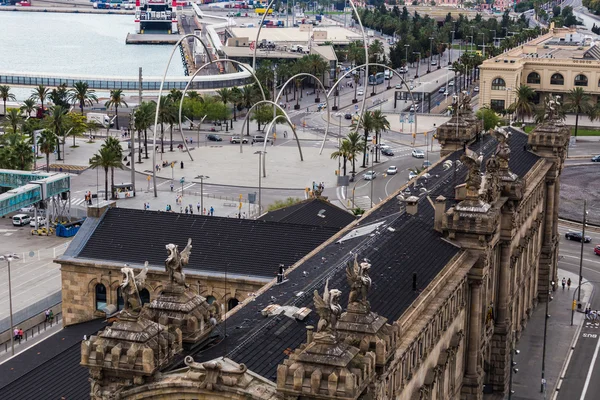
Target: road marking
x,y
584,259
388,182
589,375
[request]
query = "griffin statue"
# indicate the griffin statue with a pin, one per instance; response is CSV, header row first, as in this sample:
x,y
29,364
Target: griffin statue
x,y
329,310
359,281
130,289
176,261
472,162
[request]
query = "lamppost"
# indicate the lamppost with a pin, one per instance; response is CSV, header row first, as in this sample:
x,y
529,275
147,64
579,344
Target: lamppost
x,y
543,383
451,43
340,145
418,60
406,46
260,154
581,254
182,181
483,43
471,48
430,53
493,30
8,258
513,353
202,178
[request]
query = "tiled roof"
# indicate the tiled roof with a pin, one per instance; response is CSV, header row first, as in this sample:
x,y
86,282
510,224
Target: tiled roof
x,y
219,245
50,369
402,245
308,213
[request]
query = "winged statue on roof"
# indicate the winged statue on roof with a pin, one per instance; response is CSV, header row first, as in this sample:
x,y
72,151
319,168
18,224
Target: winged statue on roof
x,y
130,288
473,163
329,310
502,135
176,261
359,280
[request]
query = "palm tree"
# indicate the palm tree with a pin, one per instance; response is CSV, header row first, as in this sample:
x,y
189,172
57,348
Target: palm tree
x,y
380,124
175,95
114,145
81,94
343,152
40,93
116,101
47,143
579,102
166,115
316,65
57,122
355,147
144,118
225,96
236,95
28,107
247,97
13,119
523,105
105,159
6,95
367,123
22,154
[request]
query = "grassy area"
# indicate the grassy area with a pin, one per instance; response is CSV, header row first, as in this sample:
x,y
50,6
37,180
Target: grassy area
x,y
580,131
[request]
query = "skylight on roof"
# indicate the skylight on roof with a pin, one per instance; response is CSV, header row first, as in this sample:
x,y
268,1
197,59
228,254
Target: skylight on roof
x,y
362,231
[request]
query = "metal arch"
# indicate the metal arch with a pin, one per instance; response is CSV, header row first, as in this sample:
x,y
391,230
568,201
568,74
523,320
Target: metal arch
x,y
258,33
326,101
162,83
190,82
284,114
362,29
379,65
269,128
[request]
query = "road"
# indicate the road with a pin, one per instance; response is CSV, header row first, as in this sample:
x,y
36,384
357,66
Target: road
x,y
582,379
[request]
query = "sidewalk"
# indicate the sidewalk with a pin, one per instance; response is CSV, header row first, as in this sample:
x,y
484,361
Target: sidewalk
x,y
560,334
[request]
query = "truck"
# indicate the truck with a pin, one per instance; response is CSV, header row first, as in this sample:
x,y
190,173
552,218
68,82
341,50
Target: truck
x,y
297,48
370,33
100,119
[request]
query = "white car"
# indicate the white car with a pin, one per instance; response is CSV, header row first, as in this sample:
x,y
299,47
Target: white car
x,y
411,175
392,170
21,219
446,93
40,221
476,89
29,209
398,86
384,146
451,83
414,107
418,153
369,175
360,92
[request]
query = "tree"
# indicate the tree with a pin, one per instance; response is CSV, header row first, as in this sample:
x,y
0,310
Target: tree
x,y
28,107
60,96
13,120
5,95
105,159
82,95
380,124
144,118
355,147
75,126
578,101
56,122
116,101
343,152
22,154
367,124
40,93
166,115
523,105
489,117
175,95
226,96
47,143
114,145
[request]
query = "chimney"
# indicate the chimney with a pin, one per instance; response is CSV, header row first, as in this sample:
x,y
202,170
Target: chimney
x,y
440,209
411,205
309,334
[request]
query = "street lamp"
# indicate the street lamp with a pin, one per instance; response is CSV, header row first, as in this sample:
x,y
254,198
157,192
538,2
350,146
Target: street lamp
x,y
471,48
418,59
260,154
202,178
406,46
451,43
581,254
8,258
430,53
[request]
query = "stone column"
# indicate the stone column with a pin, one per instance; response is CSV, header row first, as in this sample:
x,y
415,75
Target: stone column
x,y
503,318
471,389
547,253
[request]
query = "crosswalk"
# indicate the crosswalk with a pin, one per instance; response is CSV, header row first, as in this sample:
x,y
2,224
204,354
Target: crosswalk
x,y
590,324
363,202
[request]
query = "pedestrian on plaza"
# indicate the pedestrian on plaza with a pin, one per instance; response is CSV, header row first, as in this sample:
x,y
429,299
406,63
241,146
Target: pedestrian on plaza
x,y
148,206
171,186
564,282
181,209
20,333
239,215
51,316
204,211
191,207
588,312
212,211
198,206
144,206
182,165
47,313
244,215
569,284
187,211
191,210
593,315
16,334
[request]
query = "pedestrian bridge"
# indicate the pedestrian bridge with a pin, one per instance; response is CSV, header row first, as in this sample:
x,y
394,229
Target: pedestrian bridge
x,y
128,83
30,187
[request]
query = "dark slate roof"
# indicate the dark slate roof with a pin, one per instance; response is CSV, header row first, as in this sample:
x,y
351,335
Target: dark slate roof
x,y
50,369
236,246
401,246
307,213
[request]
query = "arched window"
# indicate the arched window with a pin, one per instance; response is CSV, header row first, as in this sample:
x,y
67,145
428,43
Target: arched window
x,y
100,296
557,79
145,296
534,78
498,84
581,80
232,303
120,301
211,299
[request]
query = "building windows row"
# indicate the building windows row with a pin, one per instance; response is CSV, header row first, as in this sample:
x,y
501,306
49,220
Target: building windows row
x,y
101,299
557,79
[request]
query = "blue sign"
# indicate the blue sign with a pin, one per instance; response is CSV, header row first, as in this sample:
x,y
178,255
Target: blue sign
x,y
182,180
356,107
402,118
410,119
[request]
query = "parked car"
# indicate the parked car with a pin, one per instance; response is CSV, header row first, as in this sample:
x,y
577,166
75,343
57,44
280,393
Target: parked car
x,y
387,152
596,159
418,153
476,89
446,93
27,210
597,249
360,92
442,90
21,219
433,62
392,170
40,221
236,140
215,138
451,83
412,175
259,139
384,146
426,164
369,175
577,236
398,86
347,116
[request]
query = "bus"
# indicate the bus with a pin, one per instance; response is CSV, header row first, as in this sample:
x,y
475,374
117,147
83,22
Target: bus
x,y
261,11
376,79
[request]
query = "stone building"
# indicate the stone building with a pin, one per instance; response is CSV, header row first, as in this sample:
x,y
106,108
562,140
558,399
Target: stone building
x,y
551,64
421,298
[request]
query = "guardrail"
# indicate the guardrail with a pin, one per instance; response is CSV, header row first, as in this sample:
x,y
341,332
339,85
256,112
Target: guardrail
x,y
30,332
